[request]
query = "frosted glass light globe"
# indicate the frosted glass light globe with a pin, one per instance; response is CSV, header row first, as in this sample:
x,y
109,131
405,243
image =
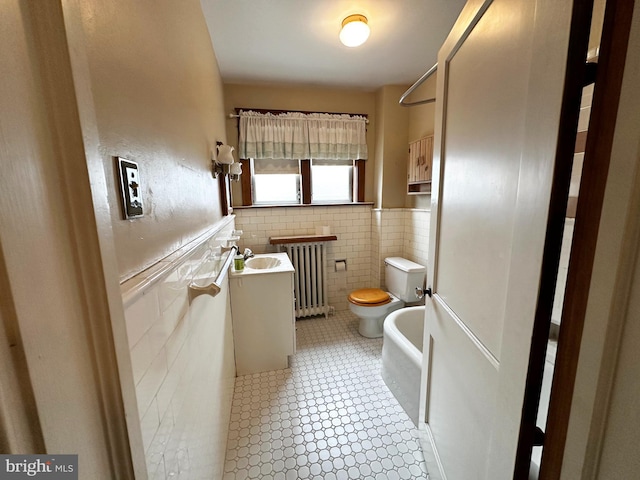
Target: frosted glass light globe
x,y
355,30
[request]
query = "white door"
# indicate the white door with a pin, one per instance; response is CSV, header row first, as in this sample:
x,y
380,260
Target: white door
x,y
500,86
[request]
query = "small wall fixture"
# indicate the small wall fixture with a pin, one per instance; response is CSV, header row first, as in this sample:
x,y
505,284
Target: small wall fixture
x,y
223,163
355,30
235,171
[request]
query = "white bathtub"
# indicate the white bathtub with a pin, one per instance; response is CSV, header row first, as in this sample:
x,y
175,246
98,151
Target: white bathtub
x,y
402,357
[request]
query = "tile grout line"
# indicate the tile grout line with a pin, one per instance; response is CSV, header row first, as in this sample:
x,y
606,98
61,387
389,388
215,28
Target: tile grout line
x,y
329,416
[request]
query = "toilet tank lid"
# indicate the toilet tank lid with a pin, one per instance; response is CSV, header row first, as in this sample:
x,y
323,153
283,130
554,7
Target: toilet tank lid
x,y
404,264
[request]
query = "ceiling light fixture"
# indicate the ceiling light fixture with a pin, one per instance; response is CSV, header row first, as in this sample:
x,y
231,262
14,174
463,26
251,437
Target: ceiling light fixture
x,y
355,30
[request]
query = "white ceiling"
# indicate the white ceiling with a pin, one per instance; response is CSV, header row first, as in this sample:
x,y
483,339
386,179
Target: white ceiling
x,y
296,41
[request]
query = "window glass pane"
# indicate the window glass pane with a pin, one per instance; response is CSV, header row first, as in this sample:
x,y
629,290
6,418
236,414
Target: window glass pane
x,y
276,188
332,183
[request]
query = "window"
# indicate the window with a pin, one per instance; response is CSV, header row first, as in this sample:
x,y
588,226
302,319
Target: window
x,y
281,182
275,182
277,150
331,182
276,189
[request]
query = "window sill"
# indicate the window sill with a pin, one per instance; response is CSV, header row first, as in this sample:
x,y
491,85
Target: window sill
x,y
305,205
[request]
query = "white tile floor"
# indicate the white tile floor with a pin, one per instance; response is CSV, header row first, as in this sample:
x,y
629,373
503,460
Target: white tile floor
x,y
330,416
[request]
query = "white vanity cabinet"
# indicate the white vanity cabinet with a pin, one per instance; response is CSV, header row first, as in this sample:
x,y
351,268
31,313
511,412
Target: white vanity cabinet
x,y
262,307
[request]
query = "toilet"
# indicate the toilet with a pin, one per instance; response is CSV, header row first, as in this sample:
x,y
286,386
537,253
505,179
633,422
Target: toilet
x,y
372,305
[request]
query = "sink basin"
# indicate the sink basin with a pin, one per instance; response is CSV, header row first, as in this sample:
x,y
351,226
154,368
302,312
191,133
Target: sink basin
x,y
262,263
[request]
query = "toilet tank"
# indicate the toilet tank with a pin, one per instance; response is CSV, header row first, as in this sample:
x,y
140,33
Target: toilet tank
x,y
402,276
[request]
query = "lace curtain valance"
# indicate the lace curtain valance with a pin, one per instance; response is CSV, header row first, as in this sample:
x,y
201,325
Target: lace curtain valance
x,y
294,135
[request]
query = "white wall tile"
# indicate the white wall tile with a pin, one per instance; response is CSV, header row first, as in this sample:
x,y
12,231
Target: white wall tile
x,y
149,425
155,466
141,357
149,384
350,224
587,95
576,174
583,118
177,338
140,316
365,238
168,350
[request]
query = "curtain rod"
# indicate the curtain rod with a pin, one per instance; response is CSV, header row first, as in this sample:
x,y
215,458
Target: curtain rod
x,y
366,120
419,82
275,112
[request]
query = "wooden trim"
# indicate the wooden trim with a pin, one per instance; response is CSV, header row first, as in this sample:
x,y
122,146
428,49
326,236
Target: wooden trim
x,y
305,180
570,109
312,205
305,183
611,63
245,182
358,180
225,197
302,239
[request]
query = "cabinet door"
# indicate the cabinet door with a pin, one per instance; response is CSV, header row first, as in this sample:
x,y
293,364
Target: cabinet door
x,y
419,165
422,160
263,321
427,156
412,169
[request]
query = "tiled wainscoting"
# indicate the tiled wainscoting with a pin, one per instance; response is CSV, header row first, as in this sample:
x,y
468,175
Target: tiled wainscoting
x,y
183,363
398,232
365,237
351,224
182,356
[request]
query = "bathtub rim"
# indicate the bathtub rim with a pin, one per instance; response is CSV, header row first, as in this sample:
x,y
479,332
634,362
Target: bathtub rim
x,y
391,330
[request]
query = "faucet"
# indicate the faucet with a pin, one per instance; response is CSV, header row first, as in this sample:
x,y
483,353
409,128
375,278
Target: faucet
x,y
247,254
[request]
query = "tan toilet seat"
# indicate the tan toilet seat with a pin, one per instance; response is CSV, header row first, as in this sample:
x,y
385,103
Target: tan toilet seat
x,y
369,297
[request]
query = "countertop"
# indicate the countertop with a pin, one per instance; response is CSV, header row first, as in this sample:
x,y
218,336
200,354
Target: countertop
x,y
285,266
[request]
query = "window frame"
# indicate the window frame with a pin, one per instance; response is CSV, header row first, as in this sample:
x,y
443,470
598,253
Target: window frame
x,y
246,185
298,190
246,179
352,193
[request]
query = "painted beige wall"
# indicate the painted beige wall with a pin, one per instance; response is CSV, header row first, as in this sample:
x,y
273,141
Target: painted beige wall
x,y
392,147
302,98
388,133
422,117
158,101
421,124
378,170
54,309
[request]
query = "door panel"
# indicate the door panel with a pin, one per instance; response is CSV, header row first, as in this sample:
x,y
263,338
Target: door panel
x,y
459,373
500,90
481,170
